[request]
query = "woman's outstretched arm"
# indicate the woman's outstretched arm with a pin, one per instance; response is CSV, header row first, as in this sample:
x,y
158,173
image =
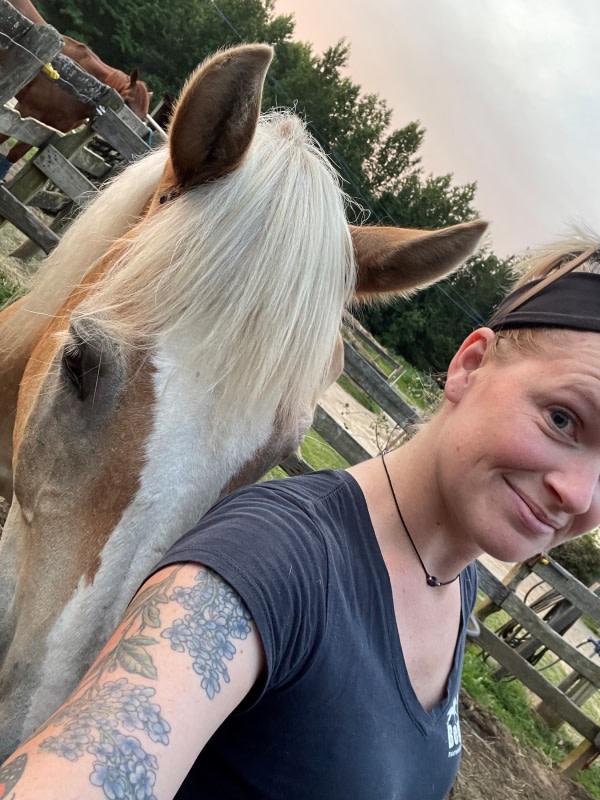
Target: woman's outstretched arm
x,y
184,656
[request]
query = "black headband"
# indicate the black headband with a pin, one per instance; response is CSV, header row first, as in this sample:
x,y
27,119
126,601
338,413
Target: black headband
x,y
572,302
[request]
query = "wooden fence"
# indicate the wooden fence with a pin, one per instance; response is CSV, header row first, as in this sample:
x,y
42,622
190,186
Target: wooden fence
x,y
517,646
23,48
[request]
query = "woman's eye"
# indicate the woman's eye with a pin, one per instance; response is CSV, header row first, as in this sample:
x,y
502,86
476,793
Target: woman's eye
x,y
561,420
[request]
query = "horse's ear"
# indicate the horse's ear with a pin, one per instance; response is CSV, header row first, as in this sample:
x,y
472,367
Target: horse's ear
x,y
396,260
216,116
133,78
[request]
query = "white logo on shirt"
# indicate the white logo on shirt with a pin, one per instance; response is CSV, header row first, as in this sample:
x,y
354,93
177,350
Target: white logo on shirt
x,y
453,727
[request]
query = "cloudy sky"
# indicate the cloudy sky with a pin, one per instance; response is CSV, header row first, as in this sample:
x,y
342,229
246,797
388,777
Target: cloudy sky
x,y
507,90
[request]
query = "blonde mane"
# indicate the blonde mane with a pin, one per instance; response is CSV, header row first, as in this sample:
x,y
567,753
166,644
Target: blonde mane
x,y
249,274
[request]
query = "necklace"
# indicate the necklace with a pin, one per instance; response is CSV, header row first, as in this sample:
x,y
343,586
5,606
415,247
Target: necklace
x,y
431,579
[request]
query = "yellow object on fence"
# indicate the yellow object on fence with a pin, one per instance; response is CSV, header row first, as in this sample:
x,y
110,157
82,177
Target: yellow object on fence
x,y
49,70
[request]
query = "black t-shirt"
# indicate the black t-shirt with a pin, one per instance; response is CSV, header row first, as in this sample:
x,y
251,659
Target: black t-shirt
x,y
336,715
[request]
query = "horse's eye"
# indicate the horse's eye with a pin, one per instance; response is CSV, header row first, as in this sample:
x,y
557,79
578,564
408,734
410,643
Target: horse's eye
x,y
72,361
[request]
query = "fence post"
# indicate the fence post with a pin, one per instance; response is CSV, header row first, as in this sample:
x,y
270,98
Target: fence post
x,y
511,580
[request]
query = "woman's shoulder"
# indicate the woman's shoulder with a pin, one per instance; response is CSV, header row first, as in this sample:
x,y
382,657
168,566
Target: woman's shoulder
x,y
279,513
315,487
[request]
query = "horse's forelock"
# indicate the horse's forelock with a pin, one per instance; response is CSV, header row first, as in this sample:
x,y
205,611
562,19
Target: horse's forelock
x,y
109,216
250,272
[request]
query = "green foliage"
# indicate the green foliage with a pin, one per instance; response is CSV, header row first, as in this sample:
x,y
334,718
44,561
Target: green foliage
x,y
508,701
581,557
590,780
165,40
9,291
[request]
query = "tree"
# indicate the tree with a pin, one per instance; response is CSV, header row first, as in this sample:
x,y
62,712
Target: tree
x,y
166,40
581,557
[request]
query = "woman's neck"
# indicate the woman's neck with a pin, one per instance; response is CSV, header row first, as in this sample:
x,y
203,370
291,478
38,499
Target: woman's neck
x,y
425,523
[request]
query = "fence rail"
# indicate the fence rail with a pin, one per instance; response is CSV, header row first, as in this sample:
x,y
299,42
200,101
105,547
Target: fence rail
x,y
25,48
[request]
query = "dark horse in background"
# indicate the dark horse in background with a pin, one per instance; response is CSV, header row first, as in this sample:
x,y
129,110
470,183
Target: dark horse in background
x,y
44,99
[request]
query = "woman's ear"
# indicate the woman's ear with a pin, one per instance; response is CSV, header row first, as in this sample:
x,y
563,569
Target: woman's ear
x,y
467,359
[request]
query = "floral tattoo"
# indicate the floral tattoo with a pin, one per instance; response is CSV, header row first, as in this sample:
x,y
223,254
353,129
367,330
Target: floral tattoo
x,y
105,718
216,616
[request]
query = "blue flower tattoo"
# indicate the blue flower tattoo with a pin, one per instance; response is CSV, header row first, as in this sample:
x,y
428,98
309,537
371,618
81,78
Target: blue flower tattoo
x,y
216,616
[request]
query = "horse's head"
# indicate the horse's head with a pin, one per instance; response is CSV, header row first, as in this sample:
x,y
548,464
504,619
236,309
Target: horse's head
x,y
136,95
180,361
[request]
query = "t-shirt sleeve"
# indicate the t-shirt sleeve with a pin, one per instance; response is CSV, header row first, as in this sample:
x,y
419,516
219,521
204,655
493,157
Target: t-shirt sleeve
x,y
271,552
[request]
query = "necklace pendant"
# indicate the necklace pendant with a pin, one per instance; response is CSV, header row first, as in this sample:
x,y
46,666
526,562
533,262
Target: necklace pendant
x,y
432,581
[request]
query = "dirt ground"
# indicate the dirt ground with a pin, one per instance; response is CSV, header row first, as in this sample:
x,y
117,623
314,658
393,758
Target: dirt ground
x,y
494,766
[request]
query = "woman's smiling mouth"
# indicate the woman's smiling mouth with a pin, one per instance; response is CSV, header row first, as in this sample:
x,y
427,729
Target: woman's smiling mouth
x,y
531,516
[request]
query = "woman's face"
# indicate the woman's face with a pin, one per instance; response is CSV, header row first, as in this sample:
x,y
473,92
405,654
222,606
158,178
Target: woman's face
x,y
519,465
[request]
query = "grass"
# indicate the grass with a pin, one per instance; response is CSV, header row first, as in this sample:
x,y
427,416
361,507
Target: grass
x,y
591,624
421,389
511,703
320,454
357,393
317,452
9,290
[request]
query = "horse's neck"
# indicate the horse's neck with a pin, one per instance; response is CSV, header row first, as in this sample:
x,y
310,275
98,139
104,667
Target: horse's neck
x,y
90,62
29,10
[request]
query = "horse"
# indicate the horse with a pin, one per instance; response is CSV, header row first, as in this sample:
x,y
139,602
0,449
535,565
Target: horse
x,y
45,100
173,349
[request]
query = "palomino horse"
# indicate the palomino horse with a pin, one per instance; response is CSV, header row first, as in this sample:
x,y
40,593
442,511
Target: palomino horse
x,y
174,349
45,100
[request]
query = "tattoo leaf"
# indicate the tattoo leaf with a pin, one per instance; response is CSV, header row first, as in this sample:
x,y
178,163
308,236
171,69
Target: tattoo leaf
x,y
142,641
151,616
133,658
103,719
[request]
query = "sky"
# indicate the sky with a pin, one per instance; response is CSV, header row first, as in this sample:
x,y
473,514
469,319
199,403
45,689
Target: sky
x,y
508,92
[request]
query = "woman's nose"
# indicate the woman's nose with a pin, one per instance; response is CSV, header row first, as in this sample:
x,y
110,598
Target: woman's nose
x,y
576,485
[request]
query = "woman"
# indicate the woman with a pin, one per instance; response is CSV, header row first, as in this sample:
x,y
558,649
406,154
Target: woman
x,y
305,640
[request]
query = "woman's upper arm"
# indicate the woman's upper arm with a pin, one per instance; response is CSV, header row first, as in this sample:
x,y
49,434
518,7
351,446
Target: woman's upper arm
x,y
184,656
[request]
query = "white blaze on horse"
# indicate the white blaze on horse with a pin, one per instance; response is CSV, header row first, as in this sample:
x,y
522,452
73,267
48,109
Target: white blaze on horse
x,y
174,348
